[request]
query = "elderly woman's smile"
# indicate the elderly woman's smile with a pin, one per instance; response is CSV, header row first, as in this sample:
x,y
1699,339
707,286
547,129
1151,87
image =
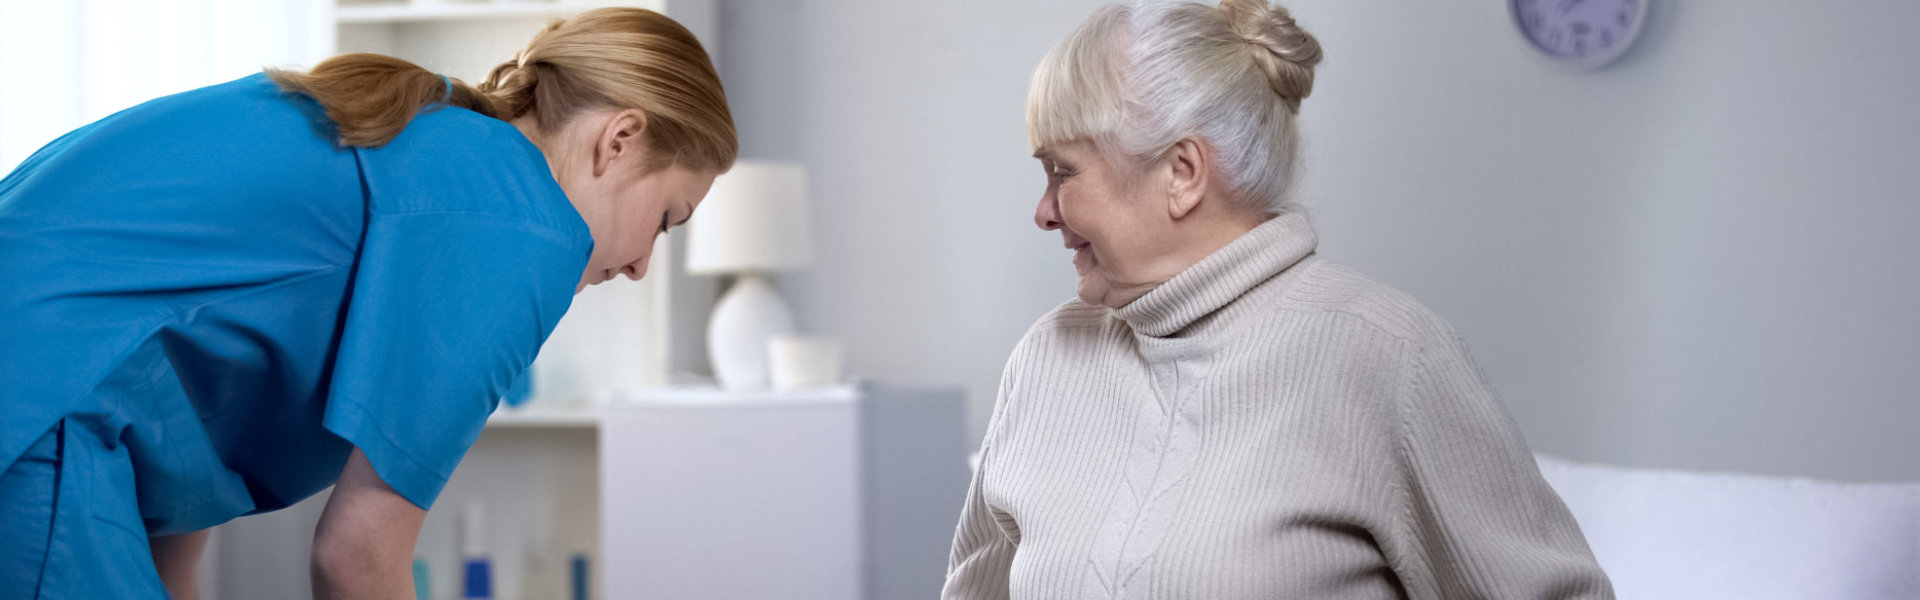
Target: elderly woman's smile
x,y
1083,258
1134,223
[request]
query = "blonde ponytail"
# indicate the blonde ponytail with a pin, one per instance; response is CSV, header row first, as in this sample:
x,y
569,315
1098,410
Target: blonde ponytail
x,y
371,97
604,58
623,58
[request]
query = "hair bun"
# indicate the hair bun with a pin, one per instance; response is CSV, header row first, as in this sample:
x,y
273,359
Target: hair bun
x,y
1285,52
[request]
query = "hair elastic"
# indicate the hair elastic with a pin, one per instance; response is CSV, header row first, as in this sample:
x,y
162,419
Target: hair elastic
x,y
446,97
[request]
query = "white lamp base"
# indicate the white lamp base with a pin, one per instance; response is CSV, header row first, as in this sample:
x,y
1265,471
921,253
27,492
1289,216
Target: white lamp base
x,y
748,315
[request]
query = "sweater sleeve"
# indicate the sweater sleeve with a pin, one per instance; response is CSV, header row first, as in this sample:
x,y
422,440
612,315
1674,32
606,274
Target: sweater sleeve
x,y
984,542
1479,521
982,554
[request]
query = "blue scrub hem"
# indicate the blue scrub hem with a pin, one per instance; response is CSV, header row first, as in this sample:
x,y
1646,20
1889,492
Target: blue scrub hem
x,y
414,480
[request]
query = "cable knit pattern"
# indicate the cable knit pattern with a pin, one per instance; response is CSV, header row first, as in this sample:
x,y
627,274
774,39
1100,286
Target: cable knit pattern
x,y
1264,425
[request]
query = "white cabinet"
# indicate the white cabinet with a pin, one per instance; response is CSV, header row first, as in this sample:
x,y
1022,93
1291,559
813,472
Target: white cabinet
x,y
713,495
838,494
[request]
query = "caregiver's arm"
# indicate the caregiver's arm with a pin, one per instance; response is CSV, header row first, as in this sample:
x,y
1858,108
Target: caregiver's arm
x,y
177,558
363,547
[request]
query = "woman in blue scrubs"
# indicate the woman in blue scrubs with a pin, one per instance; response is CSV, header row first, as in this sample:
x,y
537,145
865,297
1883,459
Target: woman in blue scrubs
x,y
220,302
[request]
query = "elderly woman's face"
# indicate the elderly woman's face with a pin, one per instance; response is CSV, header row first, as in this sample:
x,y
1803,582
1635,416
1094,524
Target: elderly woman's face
x,y
1112,220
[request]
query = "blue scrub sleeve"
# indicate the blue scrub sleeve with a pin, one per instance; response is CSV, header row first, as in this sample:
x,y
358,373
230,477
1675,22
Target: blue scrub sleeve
x,y
446,310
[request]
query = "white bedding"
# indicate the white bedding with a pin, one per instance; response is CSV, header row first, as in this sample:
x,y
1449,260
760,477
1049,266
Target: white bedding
x,y
1680,535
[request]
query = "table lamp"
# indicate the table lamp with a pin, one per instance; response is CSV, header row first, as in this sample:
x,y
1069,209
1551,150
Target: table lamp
x,y
752,223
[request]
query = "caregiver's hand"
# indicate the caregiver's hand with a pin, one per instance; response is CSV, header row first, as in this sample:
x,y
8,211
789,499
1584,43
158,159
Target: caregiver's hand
x,y
363,547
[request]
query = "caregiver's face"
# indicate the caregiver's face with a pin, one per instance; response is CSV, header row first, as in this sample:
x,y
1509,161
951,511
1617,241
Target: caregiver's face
x,y
637,214
1108,218
600,161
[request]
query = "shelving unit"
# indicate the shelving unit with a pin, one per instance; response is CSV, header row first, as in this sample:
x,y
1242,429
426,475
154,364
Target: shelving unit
x,y
461,39
404,12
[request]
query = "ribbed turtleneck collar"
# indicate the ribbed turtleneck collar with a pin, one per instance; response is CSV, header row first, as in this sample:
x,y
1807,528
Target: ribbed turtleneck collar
x,y
1222,277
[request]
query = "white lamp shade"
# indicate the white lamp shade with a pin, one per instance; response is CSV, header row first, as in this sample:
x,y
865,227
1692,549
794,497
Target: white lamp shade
x,y
754,220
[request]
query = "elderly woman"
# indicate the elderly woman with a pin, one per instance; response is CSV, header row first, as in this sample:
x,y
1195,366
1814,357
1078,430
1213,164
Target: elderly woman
x,y
1223,413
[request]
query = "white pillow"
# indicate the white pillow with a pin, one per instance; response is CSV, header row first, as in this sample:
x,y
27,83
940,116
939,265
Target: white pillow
x,y
1669,534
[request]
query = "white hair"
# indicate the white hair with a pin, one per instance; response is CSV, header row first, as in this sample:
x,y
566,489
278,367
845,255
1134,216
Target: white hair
x,y
1135,79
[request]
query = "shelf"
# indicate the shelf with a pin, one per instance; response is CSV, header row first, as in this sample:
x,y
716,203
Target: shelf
x,y
537,416
714,397
543,418
450,10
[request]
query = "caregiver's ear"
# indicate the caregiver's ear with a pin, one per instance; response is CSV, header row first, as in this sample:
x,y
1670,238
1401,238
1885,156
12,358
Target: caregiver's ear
x,y
622,136
1190,169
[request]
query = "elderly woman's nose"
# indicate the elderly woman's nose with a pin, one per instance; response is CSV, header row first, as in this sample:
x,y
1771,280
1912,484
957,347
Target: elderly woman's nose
x,y
1047,215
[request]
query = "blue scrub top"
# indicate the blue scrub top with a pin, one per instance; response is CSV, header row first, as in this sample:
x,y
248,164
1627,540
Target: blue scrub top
x,y
209,281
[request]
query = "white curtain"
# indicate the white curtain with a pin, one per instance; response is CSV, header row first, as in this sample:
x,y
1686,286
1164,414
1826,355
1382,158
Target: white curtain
x,y
66,63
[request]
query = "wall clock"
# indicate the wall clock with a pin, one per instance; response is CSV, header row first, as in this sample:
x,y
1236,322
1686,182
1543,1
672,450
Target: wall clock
x,y
1579,34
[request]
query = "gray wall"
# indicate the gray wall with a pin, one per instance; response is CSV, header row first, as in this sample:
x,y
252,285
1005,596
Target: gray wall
x,y
1702,257
908,115
1694,258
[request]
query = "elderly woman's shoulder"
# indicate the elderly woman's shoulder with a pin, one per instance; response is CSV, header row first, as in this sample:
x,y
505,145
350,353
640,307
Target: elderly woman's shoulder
x,y
1330,287
1071,319
1070,316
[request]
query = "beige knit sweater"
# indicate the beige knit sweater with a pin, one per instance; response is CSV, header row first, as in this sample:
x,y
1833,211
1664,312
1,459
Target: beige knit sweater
x,y
1264,425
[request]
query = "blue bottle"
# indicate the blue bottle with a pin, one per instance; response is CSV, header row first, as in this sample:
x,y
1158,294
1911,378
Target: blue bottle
x,y
422,583
578,569
477,567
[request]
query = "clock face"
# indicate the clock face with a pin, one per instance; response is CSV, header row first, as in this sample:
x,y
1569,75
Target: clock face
x,y
1581,34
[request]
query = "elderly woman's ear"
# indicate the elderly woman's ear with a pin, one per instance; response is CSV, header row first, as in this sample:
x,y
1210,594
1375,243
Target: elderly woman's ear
x,y
1189,180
